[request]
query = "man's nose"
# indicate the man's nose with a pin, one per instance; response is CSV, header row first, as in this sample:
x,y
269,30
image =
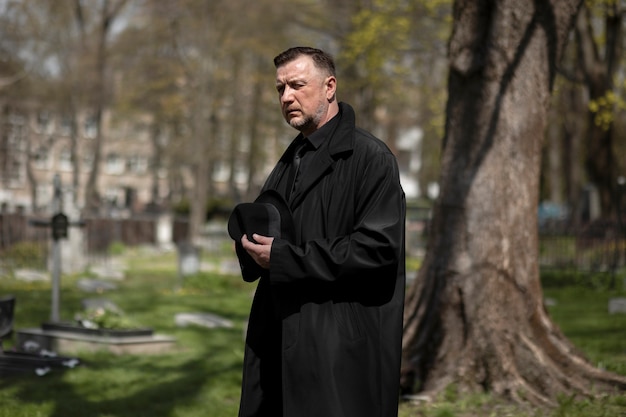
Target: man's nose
x,y
287,95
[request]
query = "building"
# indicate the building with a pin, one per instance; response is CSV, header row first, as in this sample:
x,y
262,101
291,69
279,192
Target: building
x,y
36,145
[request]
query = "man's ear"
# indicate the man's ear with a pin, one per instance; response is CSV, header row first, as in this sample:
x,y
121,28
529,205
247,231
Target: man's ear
x,y
331,88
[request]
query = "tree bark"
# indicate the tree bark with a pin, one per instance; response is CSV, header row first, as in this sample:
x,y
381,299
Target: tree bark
x,y
256,143
474,315
573,138
599,70
236,127
110,10
156,163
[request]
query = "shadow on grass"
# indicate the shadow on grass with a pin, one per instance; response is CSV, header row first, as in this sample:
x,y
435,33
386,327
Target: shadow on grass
x,y
132,386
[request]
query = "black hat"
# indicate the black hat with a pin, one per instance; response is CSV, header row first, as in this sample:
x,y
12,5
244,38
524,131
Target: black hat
x,y
269,215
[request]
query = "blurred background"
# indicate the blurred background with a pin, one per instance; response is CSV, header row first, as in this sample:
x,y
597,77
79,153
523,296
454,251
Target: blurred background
x,y
156,117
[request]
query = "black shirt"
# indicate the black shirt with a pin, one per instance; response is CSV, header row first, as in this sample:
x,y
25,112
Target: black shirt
x,y
315,141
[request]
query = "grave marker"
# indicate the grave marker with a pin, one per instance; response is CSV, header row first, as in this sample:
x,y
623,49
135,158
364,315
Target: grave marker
x,y
58,224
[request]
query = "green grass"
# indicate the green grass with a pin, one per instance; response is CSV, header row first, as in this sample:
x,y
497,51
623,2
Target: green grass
x,y
579,306
582,314
202,376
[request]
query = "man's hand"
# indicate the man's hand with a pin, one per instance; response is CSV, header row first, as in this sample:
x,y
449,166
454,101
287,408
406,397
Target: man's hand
x,y
259,251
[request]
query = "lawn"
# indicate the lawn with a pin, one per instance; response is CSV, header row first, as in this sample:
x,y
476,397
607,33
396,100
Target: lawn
x,y
202,376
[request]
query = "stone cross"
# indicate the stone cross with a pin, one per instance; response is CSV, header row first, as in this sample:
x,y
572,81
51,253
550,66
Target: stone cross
x,y
58,224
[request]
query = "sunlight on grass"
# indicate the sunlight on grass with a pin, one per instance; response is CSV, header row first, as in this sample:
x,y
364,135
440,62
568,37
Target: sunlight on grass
x,y
202,375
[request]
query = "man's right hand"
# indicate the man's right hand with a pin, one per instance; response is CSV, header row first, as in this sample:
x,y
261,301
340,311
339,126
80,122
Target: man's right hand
x,y
259,251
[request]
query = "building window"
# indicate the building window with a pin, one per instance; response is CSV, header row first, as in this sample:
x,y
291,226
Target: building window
x,y
87,162
91,128
221,172
42,158
44,194
65,160
66,126
44,122
138,164
241,174
114,164
15,173
115,196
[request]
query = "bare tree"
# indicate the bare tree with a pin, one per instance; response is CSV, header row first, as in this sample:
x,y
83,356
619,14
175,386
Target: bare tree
x,y
563,171
599,62
107,12
475,314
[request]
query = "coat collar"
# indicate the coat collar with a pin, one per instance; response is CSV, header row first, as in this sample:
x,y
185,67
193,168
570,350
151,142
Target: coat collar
x,y
342,139
338,143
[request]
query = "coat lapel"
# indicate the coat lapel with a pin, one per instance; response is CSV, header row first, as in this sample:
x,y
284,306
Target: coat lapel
x,y
321,164
339,142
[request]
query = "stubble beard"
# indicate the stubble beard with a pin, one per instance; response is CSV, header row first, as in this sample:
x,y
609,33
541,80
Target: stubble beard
x,y
309,122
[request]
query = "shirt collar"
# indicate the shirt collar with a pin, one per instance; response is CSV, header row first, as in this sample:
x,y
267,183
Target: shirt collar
x,y
316,138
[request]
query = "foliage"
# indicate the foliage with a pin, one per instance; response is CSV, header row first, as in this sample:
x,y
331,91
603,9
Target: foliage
x,y
218,208
597,71
116,248
105,318
378,30
562,278
605,108
181,207
413,264
215,208
394,67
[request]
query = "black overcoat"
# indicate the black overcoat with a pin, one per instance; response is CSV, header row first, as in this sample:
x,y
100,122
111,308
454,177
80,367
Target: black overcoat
x,y
325,328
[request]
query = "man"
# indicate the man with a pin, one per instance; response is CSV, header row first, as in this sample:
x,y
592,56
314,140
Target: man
x,y
324,336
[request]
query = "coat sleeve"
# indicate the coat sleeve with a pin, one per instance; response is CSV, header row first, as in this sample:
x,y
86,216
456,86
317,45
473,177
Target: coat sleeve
x,y
374,241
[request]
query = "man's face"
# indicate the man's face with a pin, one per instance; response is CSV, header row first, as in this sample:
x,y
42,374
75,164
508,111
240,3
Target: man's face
x,y
304,93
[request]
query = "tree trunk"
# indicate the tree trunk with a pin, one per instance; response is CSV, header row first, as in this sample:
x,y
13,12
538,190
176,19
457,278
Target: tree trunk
x,y
553,178
74,153
92,194
30,172
236,128
256,143
156,164
203,138
573,138
599,70
475,315
109,11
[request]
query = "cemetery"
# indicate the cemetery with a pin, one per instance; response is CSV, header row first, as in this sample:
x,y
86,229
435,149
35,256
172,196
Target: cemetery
x,y
200,306
179,311
130,129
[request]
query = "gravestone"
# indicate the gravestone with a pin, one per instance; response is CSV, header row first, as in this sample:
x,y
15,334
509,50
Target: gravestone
x,y
164,231
29,275
617,306
188,259
96,303
207,320
59,225
73,256
95,285
77,336
108,271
